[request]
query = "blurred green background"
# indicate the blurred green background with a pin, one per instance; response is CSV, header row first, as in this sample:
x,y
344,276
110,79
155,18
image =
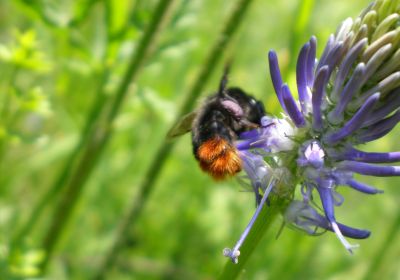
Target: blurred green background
x,y
63,62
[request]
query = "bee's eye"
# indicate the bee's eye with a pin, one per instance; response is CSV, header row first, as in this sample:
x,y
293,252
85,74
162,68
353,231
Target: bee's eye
x,y
233,108
257,108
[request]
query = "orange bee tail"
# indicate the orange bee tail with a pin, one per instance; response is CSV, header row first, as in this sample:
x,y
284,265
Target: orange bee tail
x,y
219,158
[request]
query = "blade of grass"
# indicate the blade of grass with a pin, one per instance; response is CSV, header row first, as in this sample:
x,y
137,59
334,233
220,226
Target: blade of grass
x,y
5,113
285,268
301,20
100,135
306,269
155,168
55,188
376,264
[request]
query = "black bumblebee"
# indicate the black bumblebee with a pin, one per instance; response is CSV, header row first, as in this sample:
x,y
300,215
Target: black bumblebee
x,y
216,125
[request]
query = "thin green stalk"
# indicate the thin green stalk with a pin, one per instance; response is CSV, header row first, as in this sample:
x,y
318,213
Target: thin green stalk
x,y
56,187
307,269
262,224
155,168
280,270
301,19
376,263
100,135
7,92
5,112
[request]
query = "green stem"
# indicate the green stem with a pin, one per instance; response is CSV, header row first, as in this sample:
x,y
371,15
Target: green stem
x,y
376,263
262,224
155,168
301,19
50,195
5,114
99,135
305,267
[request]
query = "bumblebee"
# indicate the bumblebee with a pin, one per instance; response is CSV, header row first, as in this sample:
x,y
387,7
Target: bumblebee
x,y
216,125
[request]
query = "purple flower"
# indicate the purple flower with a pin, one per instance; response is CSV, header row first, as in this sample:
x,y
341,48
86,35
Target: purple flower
x,y
350,96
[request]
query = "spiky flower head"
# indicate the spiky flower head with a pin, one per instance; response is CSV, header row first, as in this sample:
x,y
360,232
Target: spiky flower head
x,y
347,97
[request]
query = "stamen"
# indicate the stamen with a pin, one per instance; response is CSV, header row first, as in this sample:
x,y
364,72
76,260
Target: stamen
x,y
355,122
317,97
351,88
291,106
301,77
368,157
343,240
311,61
327,49
362,187
345,68
370,169
235,252
380,128
276,76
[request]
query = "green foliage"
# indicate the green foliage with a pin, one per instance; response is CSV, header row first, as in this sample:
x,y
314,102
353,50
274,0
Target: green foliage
x,y
63,65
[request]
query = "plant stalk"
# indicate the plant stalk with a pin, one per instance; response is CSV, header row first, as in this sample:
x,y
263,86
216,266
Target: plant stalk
x,y
376,264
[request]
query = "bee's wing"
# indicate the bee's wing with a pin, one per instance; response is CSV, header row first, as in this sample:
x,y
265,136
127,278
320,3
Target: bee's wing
x,y
183,126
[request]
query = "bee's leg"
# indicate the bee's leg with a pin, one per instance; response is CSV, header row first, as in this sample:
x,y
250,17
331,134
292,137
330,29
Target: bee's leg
x,y
249,124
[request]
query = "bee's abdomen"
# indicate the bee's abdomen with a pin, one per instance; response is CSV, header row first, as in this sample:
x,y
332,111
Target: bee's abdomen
x,y
211,123
219,158
213,146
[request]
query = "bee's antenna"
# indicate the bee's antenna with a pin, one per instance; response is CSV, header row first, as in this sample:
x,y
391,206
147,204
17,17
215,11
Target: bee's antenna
x,y
224,81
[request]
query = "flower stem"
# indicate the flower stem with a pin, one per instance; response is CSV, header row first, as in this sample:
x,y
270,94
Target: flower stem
x,y
155,168
301,19
262,224
98,137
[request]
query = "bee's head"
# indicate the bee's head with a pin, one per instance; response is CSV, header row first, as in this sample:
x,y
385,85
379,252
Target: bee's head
x,y
241,105
251,109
